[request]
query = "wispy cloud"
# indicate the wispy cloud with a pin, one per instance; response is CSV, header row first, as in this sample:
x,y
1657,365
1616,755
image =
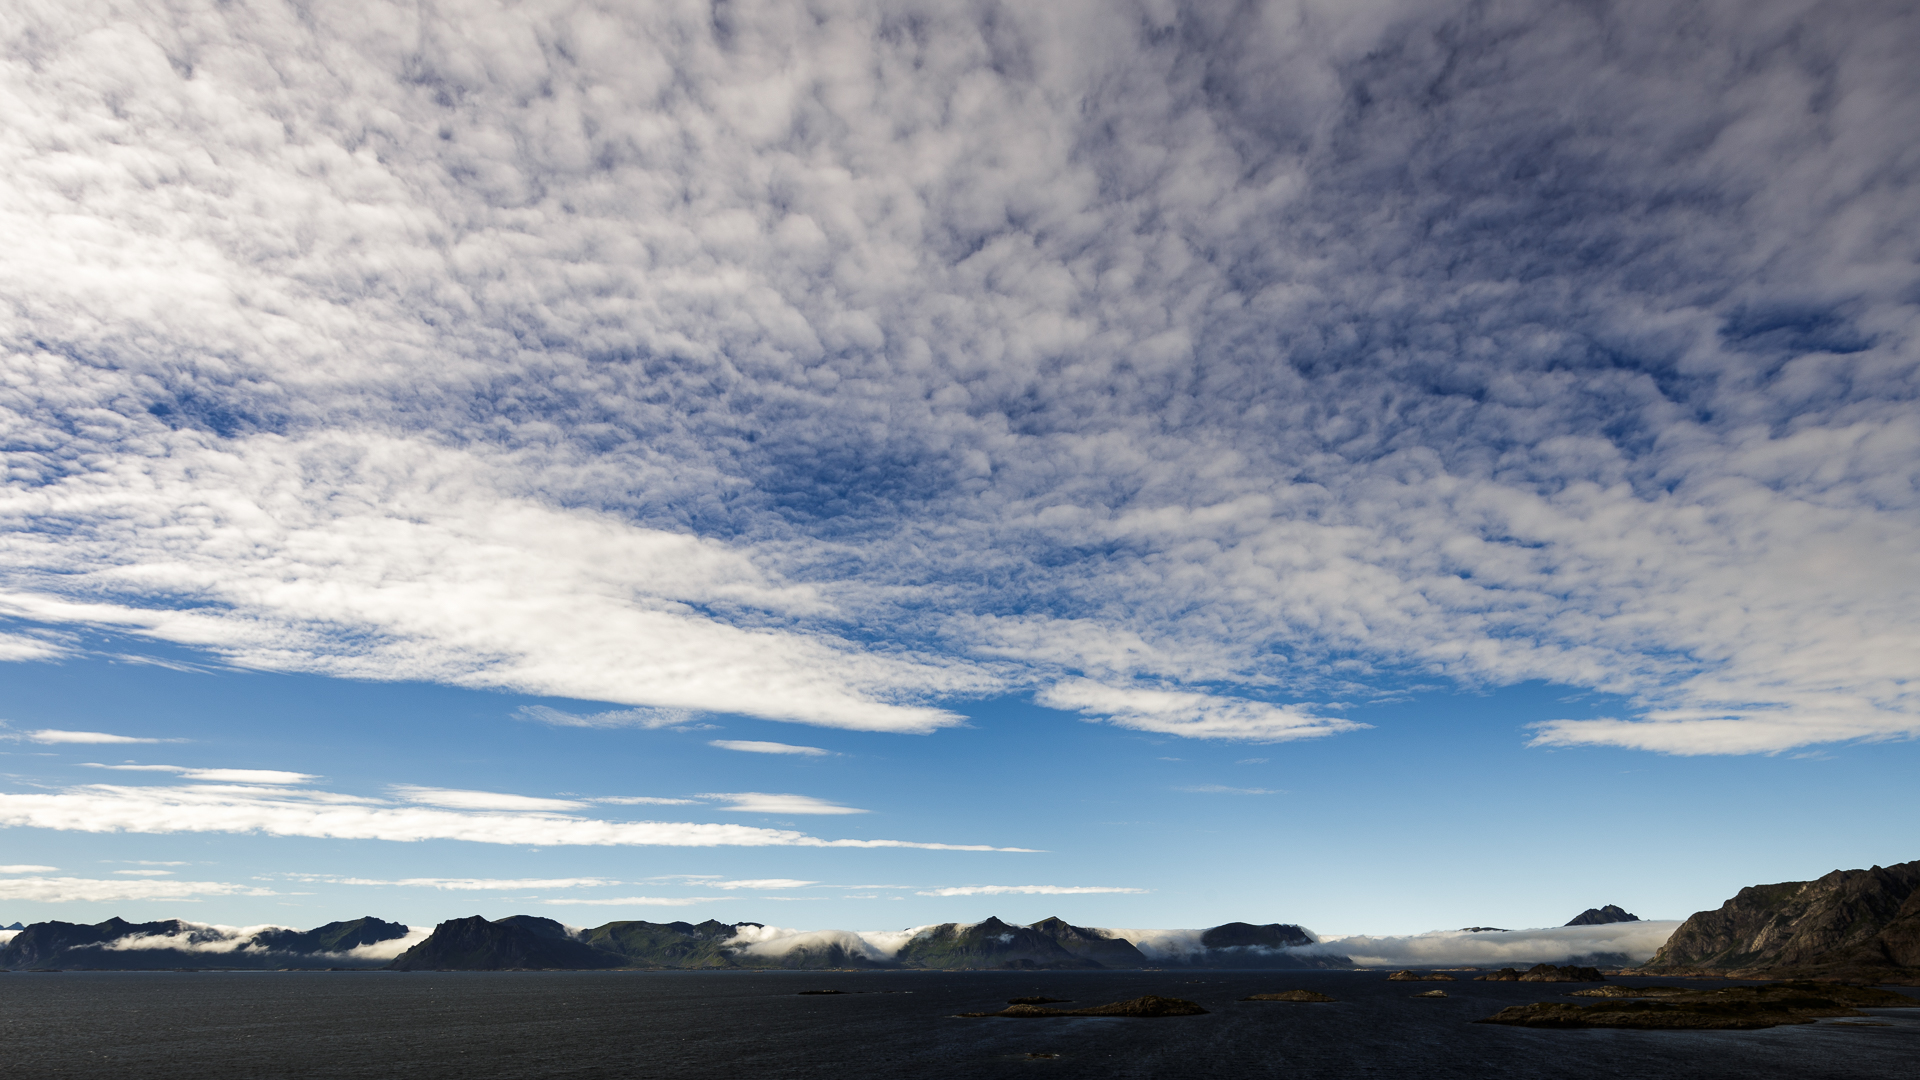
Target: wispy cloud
x,y
27,868
1198,716
760,802
759,883
73,890
481,800
636,901
1025,890
299,812
464,884
636,718
218,776
98,738
753,747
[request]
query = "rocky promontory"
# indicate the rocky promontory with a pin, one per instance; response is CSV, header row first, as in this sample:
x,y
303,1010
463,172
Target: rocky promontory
x,y
1674,1008
1861,925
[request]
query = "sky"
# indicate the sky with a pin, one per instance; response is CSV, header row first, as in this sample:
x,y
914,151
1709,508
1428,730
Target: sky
x,y
1379,466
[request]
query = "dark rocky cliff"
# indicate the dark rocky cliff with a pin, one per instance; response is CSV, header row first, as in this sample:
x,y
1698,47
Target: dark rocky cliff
x,y
513,943
1092,945
1848,924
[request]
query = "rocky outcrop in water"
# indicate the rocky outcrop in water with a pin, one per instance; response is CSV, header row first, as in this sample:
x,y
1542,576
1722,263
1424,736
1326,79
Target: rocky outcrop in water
x,y
1603,915
1852,924
1150,1007
1304,996
118,945
1404,975
1674,1008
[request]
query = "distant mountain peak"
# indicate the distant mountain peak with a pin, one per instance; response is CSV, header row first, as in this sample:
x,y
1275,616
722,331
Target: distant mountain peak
x,y
1612,913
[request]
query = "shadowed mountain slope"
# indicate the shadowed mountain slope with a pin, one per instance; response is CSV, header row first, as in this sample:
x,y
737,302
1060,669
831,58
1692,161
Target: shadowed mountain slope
x,y
1849,924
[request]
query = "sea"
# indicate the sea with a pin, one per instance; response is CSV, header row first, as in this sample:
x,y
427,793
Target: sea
x,y
207,1025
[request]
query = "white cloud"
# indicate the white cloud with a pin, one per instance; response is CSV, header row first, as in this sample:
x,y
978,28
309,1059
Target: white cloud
x,y
72,890
218,776
27,868
144,873
53,736
638,718
481,800
774,941
464,884
777,393
296,812
760,802
753,747
392,947
642,800
1553,945
19,648
638,901
760,883
1195,716
1025,890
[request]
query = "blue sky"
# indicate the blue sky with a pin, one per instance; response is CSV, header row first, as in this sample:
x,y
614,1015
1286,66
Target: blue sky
x,y
1377,466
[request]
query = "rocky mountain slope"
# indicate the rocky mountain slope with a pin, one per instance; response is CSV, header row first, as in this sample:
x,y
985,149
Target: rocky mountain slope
x,y
1853,924
120,945
1053,944
512,943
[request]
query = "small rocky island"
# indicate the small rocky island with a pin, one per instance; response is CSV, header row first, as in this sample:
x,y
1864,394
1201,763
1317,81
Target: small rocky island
x,y
1142,1008
1290,995
1545,973
1405,975
1680,1008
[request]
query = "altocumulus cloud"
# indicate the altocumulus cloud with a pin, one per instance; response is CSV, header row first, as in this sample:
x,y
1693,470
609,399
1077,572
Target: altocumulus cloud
x,y
835,363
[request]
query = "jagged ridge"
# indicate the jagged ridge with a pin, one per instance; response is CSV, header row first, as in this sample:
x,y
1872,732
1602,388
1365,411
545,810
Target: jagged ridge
x,y
1850,923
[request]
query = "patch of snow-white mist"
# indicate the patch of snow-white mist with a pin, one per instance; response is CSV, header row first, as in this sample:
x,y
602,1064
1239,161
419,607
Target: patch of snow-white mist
x,y
1178,946
195,938
1637,941
388,949
774,941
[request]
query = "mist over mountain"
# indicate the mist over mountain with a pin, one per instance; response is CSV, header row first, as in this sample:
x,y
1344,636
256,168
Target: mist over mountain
x,y
116,944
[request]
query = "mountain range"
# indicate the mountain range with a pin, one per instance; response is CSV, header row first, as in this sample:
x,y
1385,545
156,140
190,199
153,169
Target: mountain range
x,y
522,941
118,945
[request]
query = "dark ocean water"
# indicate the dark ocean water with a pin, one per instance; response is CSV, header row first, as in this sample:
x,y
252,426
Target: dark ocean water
x,y
211,1025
